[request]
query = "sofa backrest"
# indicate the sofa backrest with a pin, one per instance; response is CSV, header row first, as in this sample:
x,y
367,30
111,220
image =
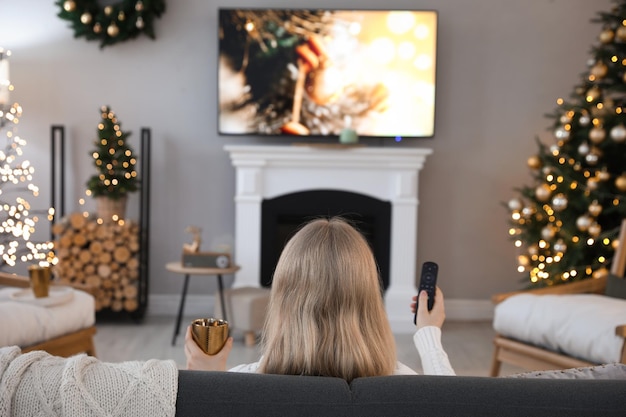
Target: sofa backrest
x,y
237,394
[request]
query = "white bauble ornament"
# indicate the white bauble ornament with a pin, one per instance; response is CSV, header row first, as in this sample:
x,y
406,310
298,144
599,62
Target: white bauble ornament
x,y
618,133
559,202
584,120
583,222
548,233
561,133
543,192
560,246
515,204
583,149
592,158
527,212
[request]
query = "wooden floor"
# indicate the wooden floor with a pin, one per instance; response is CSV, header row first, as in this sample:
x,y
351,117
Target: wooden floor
x,y
468,344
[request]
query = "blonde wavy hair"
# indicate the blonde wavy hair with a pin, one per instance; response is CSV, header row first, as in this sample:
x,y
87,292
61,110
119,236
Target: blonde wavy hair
x,y
326,315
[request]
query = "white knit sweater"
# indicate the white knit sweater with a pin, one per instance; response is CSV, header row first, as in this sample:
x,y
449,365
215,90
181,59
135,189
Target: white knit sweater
x,y
38,384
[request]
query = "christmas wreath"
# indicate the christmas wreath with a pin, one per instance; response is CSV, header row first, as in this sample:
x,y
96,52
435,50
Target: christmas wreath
x,y
113,23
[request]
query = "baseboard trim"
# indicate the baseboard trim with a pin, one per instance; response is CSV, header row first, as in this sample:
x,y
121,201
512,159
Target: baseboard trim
x,y
203,305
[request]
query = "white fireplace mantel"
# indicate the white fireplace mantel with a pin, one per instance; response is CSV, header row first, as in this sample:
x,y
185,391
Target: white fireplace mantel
x,y
389,174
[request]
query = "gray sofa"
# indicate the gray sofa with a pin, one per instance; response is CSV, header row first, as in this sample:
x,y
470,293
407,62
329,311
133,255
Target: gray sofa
x,y
236,394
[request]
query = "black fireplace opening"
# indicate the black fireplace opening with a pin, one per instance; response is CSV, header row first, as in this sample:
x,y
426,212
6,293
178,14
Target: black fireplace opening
x,y
282,216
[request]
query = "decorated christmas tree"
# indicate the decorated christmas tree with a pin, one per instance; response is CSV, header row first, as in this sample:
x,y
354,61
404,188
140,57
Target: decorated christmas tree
x,y
114,160
567,221
17,219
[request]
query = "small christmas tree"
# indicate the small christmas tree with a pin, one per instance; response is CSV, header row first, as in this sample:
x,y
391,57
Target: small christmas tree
x,y
567,221
114,159
17,220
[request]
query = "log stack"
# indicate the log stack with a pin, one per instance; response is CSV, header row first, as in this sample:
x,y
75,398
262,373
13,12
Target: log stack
x,y
104,255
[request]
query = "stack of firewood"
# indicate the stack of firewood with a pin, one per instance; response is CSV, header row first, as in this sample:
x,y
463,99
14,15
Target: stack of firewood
x,y
103,255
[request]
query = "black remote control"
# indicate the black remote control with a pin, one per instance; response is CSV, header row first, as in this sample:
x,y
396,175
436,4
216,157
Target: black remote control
x,y
428,282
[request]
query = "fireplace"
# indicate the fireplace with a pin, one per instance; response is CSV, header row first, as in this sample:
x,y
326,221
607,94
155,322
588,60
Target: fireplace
x,y
268,175
281,217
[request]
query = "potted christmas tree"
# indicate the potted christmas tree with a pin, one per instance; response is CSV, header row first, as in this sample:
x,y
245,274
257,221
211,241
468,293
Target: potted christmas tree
x,y
115,162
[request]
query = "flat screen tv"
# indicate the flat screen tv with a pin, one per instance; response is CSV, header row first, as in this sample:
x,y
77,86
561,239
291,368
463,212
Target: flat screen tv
x,y
316,72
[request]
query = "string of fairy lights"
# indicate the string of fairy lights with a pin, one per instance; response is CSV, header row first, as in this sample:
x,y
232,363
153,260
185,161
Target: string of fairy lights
x,y
17,220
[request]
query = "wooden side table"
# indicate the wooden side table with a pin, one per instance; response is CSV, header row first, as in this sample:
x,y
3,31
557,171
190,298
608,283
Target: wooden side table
x,y
178,268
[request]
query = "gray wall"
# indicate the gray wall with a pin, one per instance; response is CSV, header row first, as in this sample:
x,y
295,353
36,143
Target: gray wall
x,y
501,66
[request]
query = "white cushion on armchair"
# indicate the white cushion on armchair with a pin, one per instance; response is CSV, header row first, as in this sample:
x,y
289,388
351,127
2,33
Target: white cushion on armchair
x,y
579,325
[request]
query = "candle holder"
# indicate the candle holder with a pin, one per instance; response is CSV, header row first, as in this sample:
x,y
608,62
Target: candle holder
x,y
39,280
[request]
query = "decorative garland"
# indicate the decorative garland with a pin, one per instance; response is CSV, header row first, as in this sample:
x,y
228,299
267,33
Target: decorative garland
x,y
114,23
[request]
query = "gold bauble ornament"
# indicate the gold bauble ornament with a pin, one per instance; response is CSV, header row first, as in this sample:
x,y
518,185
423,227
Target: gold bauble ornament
x,y
620,33
543,192
620,182
597,135
593,93
604,174
534,162
97,28
599,70
69,6
594,229
85,18
607,36
592,184
139,6
121,16
113,30
108,10
139,23
595,208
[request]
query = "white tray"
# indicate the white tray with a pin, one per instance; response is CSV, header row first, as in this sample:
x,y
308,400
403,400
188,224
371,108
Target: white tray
x,y
57,295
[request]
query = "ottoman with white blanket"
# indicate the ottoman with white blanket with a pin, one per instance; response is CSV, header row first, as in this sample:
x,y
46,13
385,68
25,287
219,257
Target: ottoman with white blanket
x,y
582,326
62,324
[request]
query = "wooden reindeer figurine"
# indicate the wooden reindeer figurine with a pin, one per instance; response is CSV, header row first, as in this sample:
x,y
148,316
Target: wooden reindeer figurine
x,y
194,246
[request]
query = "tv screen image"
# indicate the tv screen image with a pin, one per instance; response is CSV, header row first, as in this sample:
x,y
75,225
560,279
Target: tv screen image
x,y
315,72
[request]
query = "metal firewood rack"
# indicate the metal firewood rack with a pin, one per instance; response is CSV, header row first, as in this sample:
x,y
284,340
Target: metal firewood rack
x,y
57,201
